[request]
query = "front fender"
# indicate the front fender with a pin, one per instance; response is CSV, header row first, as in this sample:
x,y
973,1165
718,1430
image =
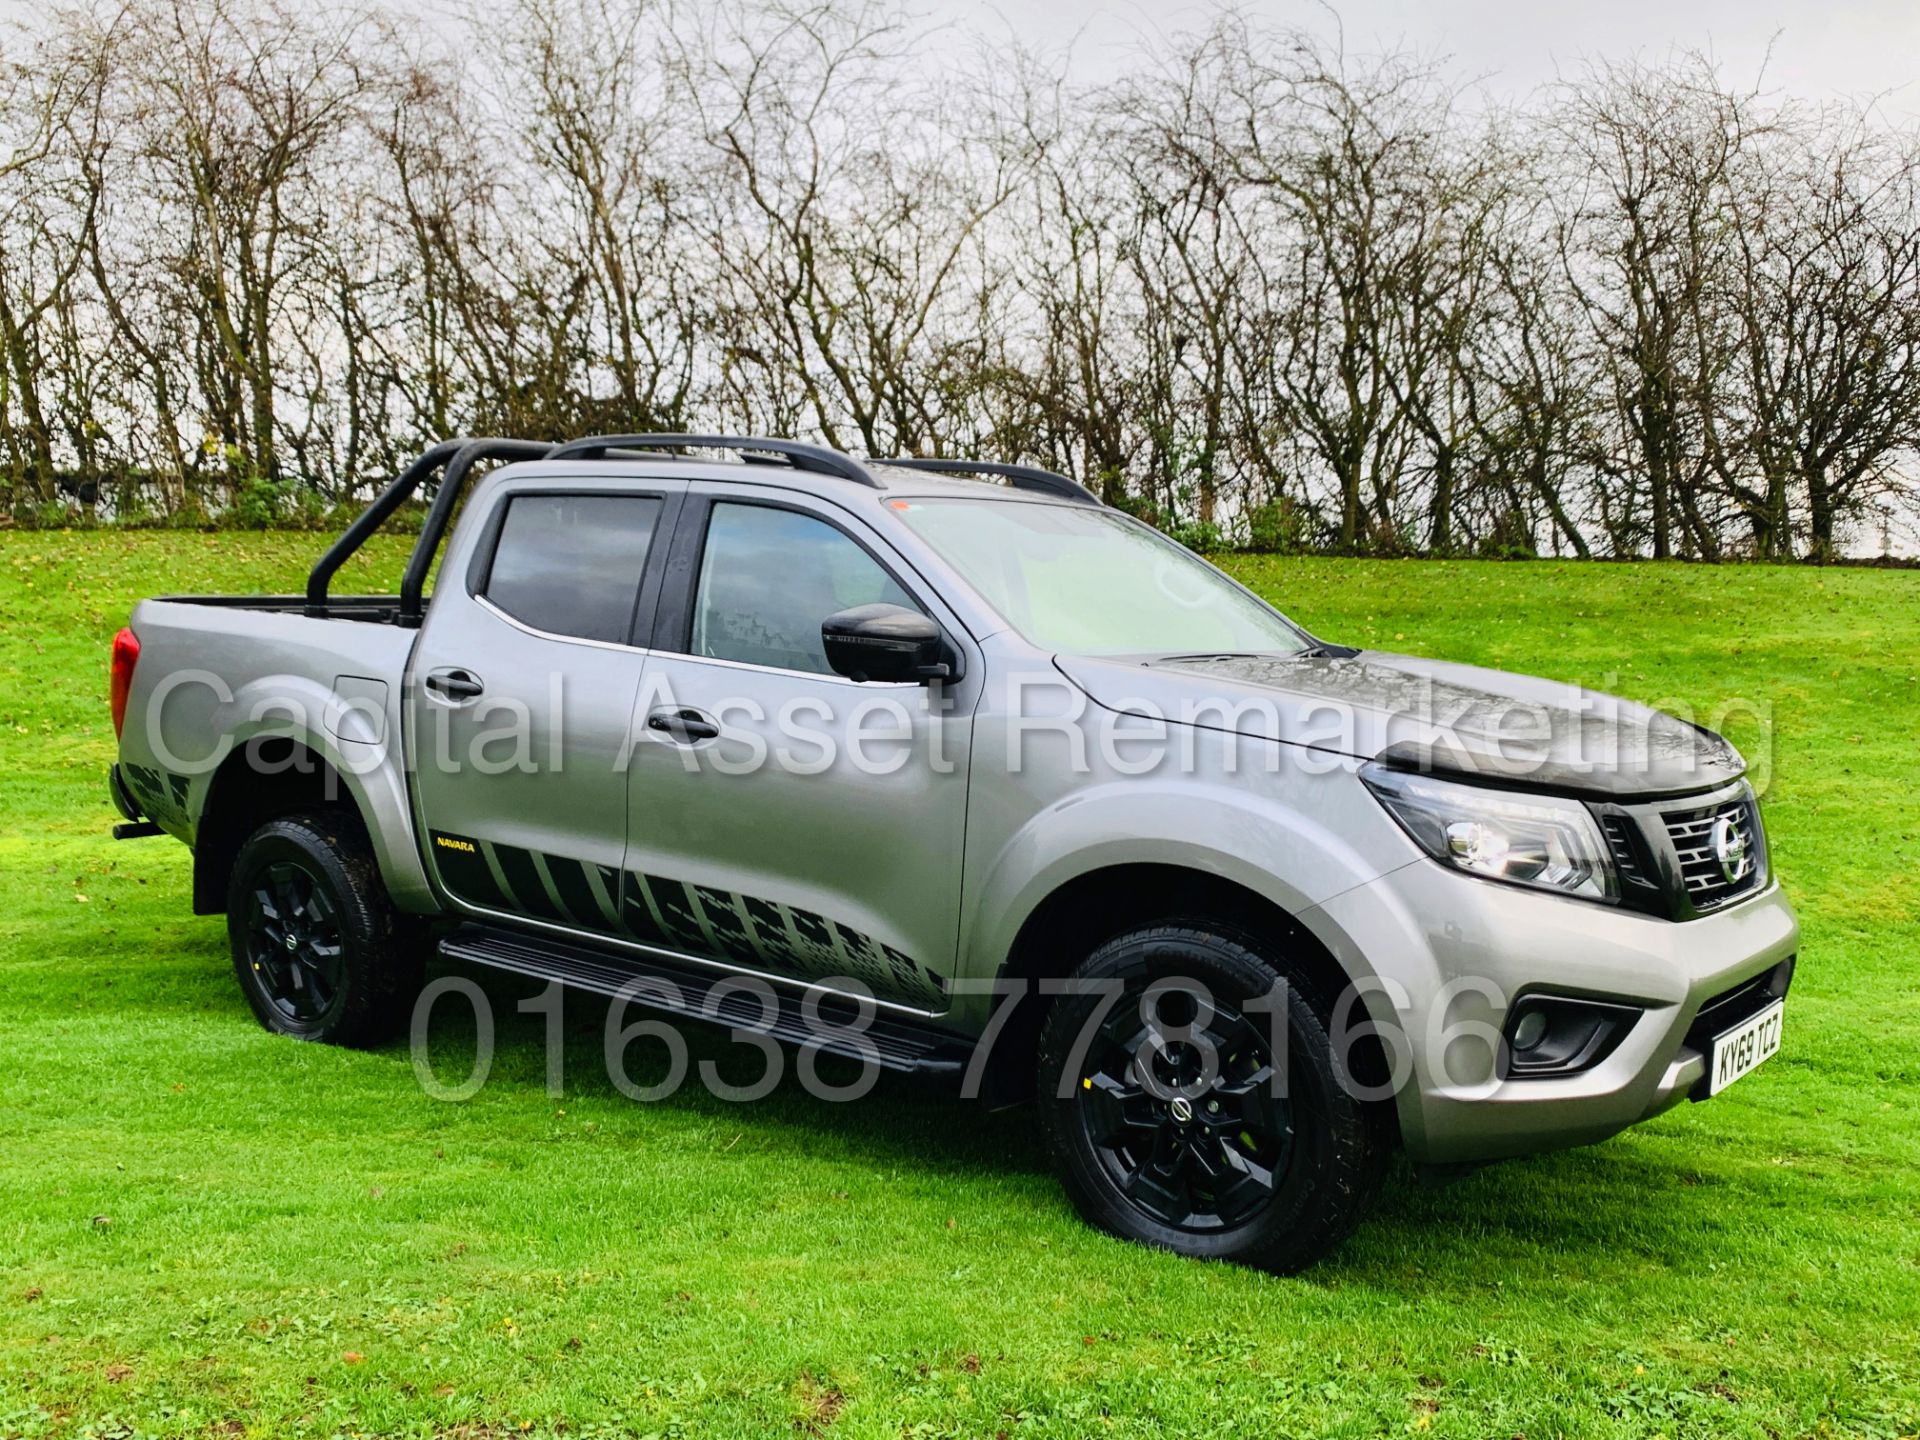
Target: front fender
x,y
1282,852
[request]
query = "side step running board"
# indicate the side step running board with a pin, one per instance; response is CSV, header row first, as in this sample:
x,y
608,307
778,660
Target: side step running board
x,y
897,1043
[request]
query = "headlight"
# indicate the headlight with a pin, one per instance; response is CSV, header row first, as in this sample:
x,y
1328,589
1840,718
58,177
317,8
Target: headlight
x,y
1502,834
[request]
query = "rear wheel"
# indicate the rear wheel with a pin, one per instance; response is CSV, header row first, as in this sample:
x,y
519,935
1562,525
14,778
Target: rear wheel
x,y
320,951
1192,1101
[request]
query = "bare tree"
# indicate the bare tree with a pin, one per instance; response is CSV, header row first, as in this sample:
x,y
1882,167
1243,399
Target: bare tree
x,y
1341,150
50,96
245,104
252,254
1825,283
1075,397
840,217
1646,233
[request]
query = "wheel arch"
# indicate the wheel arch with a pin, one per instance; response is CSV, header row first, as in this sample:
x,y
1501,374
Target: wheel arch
x,y
271,775
1085,911
1092,907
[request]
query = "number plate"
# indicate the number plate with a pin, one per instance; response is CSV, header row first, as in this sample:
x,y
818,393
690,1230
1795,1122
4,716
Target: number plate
x,y
1739,1051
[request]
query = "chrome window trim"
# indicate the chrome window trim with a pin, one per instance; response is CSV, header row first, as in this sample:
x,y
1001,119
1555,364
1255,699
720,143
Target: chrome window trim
x,y
826,676
540,634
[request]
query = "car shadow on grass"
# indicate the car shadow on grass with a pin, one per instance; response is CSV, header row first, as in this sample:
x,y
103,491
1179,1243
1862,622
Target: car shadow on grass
x,y
1619,1202
1541,1209
900,1118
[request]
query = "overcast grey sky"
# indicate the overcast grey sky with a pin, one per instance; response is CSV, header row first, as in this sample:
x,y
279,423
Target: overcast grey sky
x,y
1821,48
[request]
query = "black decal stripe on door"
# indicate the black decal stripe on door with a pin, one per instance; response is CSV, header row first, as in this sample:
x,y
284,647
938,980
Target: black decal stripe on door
x,y
576,893
863,961
605,883
636,913
814,952
768,927
677,915
723,922
908,978
464,870
529,892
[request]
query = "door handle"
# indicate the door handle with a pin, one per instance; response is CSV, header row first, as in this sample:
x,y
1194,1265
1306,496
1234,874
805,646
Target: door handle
x,y
456,685
688,727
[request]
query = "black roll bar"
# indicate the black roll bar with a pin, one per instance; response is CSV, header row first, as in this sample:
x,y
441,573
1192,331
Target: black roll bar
x,y
458,457
370,519
448,496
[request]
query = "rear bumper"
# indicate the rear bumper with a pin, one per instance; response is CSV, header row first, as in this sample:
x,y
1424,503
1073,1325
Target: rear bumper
x,y
1451,953
123,800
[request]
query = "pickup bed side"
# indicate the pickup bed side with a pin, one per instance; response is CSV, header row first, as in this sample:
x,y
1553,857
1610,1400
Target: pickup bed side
x,y
324,723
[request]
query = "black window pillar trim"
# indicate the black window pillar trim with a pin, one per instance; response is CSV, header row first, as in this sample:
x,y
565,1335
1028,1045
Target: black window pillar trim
x,y
672,629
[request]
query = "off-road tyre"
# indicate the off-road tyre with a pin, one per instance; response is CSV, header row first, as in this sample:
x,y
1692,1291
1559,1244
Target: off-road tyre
x,y
318,947
1135,1168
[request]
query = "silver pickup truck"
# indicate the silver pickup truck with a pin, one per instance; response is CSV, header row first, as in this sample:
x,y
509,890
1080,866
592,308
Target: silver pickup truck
x,y
946,767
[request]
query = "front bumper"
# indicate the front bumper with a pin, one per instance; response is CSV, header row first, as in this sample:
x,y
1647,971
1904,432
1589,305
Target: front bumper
x,y
1449,953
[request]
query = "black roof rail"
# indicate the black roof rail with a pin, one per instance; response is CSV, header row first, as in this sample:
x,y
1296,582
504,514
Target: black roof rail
x,y
816,459
1022,477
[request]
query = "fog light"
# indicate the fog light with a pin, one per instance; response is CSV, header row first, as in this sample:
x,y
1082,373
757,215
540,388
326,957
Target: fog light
x,y
1531,1030
1551,1035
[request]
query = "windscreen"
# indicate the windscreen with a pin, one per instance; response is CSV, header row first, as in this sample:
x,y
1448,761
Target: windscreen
x,y
1082,581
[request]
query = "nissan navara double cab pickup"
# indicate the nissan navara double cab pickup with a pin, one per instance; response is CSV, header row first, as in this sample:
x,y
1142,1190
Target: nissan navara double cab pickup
x,y
947,767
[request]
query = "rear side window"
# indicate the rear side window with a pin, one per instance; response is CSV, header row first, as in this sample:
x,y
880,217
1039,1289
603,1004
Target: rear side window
x,y
571,564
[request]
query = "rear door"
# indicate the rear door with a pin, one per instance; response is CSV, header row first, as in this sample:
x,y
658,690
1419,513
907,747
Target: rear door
x,y
521,695
783,819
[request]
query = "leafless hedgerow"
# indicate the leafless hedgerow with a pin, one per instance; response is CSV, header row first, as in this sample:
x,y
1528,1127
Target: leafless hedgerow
x,y
1262,290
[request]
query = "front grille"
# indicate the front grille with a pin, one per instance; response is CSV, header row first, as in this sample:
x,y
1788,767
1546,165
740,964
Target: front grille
x,y
1701,870
1626,855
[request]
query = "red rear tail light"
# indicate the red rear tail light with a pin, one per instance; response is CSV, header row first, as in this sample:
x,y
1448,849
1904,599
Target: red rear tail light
x,y
126,650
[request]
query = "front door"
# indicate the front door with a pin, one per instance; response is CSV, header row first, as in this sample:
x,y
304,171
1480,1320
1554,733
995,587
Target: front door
x,y
521,694
781,818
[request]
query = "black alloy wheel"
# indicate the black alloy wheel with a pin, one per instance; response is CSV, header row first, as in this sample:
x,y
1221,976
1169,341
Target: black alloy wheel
x,y
293,941
1192,1099
1195,1132
320,951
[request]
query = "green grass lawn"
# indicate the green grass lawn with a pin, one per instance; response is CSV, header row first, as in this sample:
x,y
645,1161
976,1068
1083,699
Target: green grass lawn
x,y
207,1229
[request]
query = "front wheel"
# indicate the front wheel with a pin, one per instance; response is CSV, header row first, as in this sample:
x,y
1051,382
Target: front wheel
x,y
1192,1101
320,951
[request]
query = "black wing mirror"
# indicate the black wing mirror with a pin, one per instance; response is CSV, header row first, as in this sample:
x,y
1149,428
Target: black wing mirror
x,y
887,642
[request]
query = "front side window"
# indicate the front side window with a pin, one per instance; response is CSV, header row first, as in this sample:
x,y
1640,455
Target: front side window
x,y
1081,581
571,564
768,578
